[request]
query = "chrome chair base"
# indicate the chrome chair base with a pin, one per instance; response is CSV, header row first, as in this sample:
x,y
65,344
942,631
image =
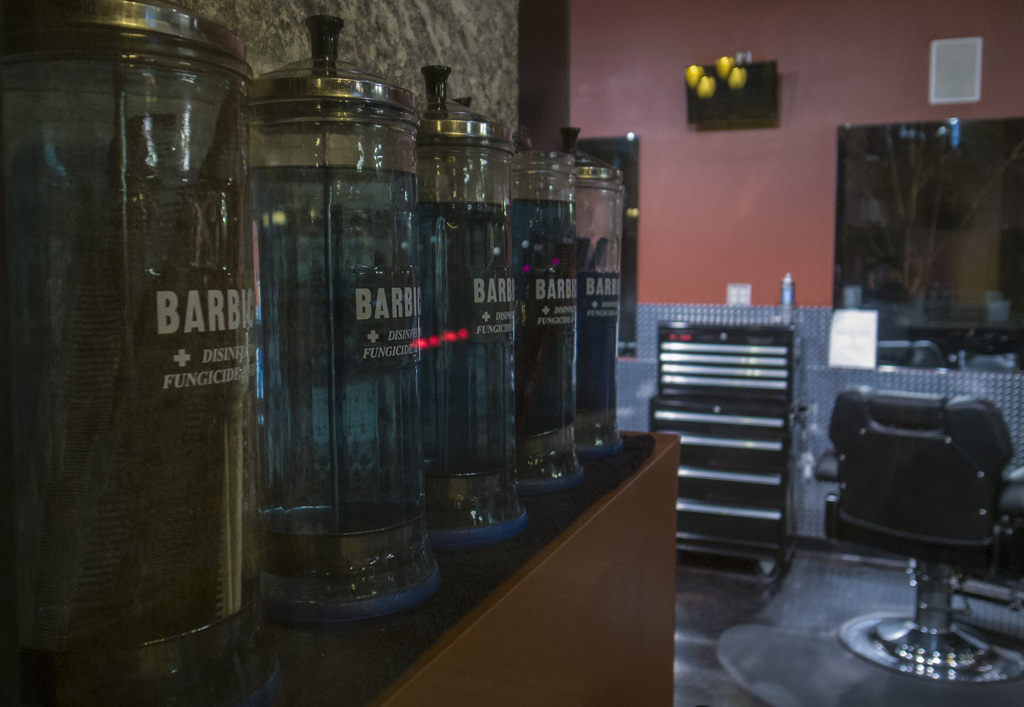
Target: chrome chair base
x,y
953,655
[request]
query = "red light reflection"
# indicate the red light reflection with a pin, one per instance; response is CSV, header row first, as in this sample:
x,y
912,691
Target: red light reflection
x,y
434,340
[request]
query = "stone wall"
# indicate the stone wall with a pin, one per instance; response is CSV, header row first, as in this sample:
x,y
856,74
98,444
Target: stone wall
x,y
393,39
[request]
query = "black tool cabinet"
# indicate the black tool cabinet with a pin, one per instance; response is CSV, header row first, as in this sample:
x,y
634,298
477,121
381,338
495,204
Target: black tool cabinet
x,y
727,391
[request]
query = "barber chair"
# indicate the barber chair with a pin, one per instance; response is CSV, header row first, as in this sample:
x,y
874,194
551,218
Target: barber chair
x,y
912,354
922,476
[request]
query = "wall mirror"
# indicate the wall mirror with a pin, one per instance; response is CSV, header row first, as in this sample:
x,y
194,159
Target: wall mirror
x,y
930,232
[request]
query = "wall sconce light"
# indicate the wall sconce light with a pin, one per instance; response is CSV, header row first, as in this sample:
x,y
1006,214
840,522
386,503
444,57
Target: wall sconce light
x,y
750,101
706,87
694,74
724,65
729,69
737,78
698,80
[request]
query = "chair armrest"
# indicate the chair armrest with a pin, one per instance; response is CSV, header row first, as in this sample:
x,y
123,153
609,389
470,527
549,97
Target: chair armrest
x,y
827,468
1011,496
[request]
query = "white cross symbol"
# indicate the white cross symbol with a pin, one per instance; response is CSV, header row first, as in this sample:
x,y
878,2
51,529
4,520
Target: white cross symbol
x,y
181,358
594,304
486,316
545,310
372,336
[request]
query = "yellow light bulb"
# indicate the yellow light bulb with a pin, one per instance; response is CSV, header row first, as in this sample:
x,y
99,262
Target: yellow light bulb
x,y
693,75
706,87
724,66
737,78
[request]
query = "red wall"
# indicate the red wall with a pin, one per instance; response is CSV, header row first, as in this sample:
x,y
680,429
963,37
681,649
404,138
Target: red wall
x,y
749,205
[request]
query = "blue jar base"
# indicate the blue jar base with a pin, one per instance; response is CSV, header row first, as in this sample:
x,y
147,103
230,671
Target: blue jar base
x,y
601,451
551,483
473,509
472,537
547,462
597,433
224,663
379,563
326,612
265,695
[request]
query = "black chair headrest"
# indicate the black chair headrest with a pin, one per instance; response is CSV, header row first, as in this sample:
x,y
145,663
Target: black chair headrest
x,y
917,412
975,424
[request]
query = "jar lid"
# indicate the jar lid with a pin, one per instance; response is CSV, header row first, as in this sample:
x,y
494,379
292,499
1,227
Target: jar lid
x,y
590,171
530,160
53,26
543,176
527,158
448,123
324,88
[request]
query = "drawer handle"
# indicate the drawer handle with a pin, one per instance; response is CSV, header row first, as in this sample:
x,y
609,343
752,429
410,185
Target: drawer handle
x,y
760,445
733,476
676,416
725,382
733,511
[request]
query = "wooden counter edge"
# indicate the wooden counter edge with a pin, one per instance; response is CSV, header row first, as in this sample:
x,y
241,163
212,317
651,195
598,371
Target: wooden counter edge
x,y
463,662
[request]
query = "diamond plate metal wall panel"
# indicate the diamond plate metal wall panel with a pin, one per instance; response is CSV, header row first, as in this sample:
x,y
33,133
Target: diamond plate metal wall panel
x,y
637,383
816,388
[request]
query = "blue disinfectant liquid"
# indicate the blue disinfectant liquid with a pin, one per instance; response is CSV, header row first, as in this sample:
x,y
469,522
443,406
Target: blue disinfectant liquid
x,y
343,516
543,236
596,355
132,453
467,374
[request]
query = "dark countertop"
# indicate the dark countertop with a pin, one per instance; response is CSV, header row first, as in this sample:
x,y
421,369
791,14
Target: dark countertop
x,y
353,665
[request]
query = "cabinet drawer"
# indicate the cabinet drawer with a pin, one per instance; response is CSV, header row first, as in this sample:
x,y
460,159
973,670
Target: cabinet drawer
x,y
761,527
746,455
727,392
751,339
725,363
741,419
730,487
750,436
718,423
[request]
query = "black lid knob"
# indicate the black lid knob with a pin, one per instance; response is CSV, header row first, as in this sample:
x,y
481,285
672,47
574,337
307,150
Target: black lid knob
x,y
522,138
569,137
436,77
323,35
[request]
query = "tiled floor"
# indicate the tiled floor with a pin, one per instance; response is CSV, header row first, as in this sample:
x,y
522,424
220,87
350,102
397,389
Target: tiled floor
x,y
796,616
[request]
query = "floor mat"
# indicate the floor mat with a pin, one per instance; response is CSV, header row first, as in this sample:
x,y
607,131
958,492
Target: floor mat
x,y
788,667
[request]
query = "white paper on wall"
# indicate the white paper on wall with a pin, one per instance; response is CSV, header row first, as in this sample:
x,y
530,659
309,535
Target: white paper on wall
x,y
853,342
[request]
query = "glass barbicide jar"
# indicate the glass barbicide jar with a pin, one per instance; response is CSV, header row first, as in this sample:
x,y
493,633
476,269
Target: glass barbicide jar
x,y
133,353
543,231
462,168
332,151
599,199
